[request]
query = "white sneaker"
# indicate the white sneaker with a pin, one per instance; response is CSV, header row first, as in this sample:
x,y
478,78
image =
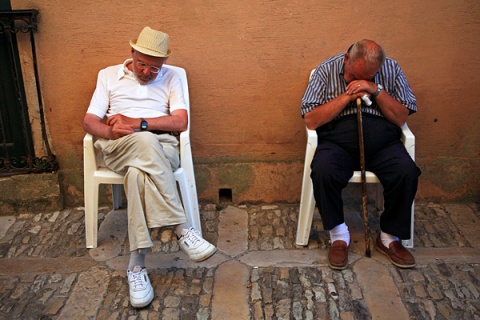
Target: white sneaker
x,y
141,291
197,248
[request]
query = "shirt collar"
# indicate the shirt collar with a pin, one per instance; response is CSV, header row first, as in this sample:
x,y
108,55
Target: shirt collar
x,y
342,66
124,72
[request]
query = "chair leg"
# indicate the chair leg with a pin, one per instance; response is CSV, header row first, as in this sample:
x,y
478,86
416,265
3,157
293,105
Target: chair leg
x,y
192,196
191,210
379,202
117,193
305,216
409,242
91,215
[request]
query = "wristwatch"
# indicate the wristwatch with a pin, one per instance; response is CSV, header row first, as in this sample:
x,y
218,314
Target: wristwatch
x,y
379,89
143,124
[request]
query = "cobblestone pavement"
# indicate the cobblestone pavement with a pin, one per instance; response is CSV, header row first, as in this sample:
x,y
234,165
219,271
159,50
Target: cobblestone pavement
x,y
258,272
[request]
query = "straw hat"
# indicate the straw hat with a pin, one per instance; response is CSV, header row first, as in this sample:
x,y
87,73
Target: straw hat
x,y
152,43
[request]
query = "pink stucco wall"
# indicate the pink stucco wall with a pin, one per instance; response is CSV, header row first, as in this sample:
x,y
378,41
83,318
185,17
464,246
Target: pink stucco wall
x,y
248,64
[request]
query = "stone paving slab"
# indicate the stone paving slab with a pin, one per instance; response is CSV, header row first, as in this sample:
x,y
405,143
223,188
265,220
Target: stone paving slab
x,y
448,255
111,235
286,258
86,297
258,272
381,295
169,260
31,266
5,223
233,233
230,293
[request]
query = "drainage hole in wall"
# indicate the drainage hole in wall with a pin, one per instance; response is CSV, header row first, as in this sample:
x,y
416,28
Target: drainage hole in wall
x,y
224,195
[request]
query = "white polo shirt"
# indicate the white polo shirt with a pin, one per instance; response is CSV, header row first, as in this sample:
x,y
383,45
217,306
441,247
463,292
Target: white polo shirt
x,y
119,92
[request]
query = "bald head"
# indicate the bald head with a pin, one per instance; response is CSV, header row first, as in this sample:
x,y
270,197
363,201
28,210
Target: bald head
x,y
370,52
363,60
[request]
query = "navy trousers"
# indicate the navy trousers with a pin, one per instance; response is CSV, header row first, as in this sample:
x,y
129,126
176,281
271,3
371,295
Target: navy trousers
x,y
337,156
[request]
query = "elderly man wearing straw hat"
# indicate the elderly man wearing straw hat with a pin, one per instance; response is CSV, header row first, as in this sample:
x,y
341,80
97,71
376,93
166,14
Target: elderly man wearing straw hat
x,y
143,103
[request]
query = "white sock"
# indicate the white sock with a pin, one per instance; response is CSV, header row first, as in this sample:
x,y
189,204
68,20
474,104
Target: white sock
x,y
137,258
181,229
387,238
340,232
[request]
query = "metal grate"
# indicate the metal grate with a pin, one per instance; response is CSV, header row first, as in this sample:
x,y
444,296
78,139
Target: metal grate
x,y
11,23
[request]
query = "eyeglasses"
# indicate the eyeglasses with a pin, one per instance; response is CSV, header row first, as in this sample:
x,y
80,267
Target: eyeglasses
x,y
144,66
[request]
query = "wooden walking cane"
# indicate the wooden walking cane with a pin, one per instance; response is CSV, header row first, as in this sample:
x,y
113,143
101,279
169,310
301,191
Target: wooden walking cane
x,y
364,182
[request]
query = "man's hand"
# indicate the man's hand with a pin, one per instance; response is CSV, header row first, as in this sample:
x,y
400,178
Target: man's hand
x,y
121,119
355,89
391,109
94,125
121,125
119,130
358,88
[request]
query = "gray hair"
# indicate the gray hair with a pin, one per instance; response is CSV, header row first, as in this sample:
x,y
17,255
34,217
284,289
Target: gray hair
x,y
369,51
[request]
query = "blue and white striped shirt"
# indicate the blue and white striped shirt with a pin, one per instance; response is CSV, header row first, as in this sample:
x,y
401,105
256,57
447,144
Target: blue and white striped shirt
x,y
327,83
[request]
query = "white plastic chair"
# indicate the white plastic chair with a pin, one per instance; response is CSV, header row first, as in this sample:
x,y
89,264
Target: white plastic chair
x,y
307,201
96,173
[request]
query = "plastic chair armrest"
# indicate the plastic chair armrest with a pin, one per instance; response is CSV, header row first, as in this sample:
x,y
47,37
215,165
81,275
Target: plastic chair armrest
x,y
89,156
408,140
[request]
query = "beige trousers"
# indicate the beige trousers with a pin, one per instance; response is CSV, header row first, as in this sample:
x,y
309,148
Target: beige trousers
x,y
147,160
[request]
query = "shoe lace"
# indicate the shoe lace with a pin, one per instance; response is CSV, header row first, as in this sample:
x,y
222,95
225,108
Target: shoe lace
x,y
191,237
137,280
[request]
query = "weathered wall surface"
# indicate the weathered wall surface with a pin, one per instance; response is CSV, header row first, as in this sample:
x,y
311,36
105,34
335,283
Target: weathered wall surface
x,y
248,64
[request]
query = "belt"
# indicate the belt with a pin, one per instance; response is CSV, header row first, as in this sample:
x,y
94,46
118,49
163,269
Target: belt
x,y
160,132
